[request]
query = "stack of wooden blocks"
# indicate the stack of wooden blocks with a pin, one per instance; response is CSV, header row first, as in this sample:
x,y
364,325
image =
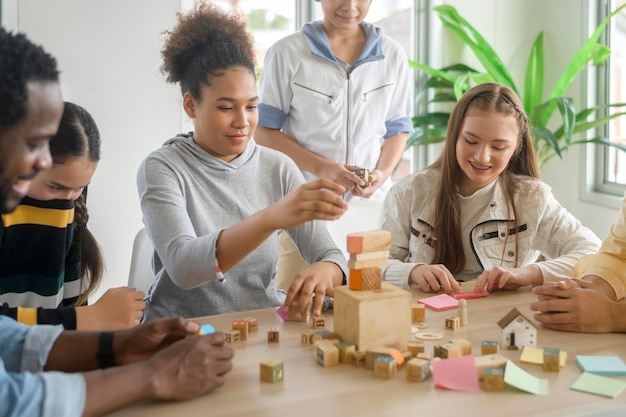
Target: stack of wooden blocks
x,y
368,252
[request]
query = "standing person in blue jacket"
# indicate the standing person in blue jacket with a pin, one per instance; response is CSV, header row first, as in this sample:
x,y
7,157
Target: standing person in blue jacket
x,y
336,97
151,361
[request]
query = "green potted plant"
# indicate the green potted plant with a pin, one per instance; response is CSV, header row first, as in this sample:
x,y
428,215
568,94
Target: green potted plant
x,y
444,86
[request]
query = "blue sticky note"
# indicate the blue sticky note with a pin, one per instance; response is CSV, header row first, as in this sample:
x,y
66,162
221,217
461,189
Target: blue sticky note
x,y
206,329
601,365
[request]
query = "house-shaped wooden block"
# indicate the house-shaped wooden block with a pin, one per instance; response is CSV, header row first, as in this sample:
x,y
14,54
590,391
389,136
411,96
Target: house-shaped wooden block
x,y
517,331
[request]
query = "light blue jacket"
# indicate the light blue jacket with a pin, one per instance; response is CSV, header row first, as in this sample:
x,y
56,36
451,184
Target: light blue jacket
x,y
339,112
24,389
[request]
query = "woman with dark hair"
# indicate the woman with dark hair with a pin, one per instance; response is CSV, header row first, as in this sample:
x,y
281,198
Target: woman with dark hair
x,y
480,211
49,261
213,201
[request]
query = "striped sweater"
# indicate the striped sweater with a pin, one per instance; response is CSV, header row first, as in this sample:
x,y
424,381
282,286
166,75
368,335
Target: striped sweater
x,y
39,280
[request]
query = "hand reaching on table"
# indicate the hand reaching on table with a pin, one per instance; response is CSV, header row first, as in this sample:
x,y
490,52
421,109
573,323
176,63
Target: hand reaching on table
x,y
500,278
319,278
434,278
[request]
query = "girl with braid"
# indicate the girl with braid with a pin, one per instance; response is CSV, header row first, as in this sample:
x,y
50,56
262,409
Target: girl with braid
x,y
480,211
49,261
213,201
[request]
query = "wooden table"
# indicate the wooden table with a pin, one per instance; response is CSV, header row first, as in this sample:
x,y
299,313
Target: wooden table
x,y
344,390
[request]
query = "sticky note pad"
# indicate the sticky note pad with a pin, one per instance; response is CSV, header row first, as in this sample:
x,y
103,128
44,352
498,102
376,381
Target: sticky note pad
x,y
598,385
520,379
601,365
206,329
457,374
535,356
440,302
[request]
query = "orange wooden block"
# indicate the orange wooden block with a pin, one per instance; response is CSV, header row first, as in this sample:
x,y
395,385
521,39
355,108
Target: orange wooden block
x,y
366,279
370,241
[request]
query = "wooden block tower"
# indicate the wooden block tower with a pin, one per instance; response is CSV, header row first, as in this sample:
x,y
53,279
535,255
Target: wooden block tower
x,y
368,252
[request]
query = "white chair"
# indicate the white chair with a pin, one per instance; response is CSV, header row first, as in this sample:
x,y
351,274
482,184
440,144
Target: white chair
x,y
141,274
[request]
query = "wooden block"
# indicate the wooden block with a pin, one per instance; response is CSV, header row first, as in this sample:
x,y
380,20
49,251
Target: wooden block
x,y
273,336
385,367
415,348
373,318
319,322
324,335
493,379
369,263
242,326
425,356
272,371
494,360
374,352
417,370
233,336
346,350
406,355
367,256
370,241
418,313
293,310
306,338
366,279
253,324
489,347
450,350
551,359
364,174
453,323
466,345
327,354
358,359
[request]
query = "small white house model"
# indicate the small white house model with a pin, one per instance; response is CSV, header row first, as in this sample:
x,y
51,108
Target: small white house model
x,y
517,331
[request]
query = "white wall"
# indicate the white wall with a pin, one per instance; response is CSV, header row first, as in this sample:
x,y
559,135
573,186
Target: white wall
x,y
109,56
511,28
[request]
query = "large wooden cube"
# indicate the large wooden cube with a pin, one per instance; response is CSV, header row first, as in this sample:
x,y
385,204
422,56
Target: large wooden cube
x,y
373,318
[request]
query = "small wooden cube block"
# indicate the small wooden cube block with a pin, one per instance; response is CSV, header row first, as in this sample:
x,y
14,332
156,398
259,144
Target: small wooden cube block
x,y
418,313
370,241
417,370
306,338
489,346
293,310
319,322
242,326
253,324
358,359
364,174
232,336
494,360
272,371
493,379
366,279
327,354
466,345
385,367
372,353
453,323
273,336
373,318
415,348
423,355
324,334
450,350
551,359
346,350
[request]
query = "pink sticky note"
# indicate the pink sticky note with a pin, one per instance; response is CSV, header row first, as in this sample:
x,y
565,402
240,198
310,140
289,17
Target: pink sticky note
x,y
458,374
282,313
440,302
470,295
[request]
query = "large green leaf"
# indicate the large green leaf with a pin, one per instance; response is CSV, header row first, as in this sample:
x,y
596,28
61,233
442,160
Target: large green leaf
x,y
538,134
487,56
533,82
432,71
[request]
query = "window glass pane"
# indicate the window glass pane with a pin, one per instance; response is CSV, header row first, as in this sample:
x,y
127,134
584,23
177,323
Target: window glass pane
x,y
615,160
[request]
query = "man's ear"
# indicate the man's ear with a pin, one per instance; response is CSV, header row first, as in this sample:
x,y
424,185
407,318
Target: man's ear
x,y
189,104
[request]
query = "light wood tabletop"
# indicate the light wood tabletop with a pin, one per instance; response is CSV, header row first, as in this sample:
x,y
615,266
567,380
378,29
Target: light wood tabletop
x,y
344,390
